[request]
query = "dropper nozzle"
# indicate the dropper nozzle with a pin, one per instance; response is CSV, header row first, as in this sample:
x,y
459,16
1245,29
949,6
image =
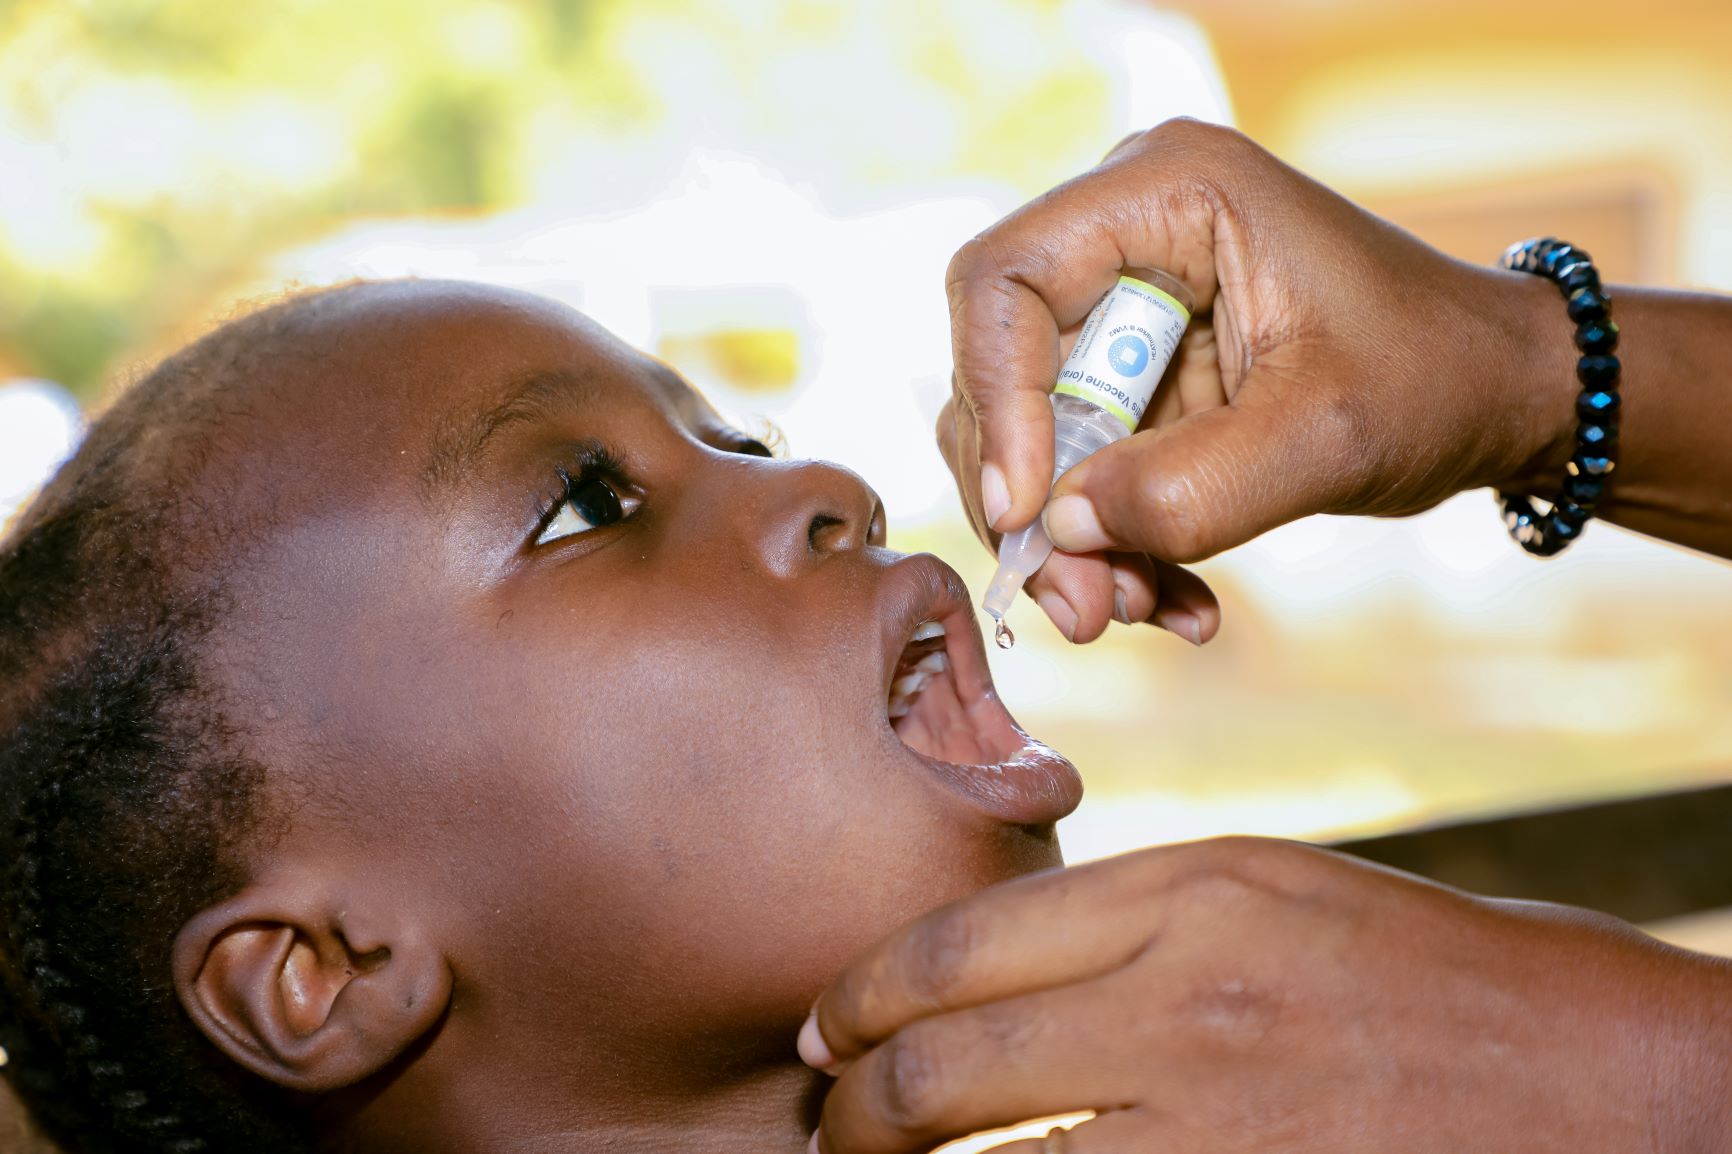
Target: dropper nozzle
x,y
1006,583
1020,555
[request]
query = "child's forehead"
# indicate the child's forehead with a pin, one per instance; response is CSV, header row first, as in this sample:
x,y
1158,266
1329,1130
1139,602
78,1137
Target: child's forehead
x,y
405,382
463,361
484,342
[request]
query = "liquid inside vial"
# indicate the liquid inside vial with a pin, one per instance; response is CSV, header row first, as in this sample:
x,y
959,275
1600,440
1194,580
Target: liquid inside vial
x,y
1002,635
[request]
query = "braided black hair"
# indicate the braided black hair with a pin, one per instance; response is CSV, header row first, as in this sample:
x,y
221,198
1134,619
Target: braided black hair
x,y
125,785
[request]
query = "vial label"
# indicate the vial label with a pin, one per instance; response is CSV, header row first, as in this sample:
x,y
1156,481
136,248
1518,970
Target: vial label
x,y
1124,348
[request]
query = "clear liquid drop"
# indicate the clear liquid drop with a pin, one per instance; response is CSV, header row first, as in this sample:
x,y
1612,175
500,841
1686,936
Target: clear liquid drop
x,y
1002,635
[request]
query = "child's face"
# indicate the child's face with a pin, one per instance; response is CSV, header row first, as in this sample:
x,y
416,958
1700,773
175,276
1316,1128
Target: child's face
x,y
625,754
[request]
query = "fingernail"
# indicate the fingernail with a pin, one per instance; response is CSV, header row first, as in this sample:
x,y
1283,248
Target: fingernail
x,y
1186,625
812,1146
994,494
814,1051
1060,611
1122,590
1073,526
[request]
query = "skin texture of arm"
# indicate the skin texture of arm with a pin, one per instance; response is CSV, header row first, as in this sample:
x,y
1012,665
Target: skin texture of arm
x,y
1335,365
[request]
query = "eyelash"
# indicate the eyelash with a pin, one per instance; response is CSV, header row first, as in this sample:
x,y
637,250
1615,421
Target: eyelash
x,y
594,462
750,446
770,442
588,464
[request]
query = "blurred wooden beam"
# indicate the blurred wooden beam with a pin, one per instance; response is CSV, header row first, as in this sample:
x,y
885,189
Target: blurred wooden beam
x,y
1641,859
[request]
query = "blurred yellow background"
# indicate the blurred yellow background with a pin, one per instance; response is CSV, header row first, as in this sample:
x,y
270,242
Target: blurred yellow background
x,y
767,191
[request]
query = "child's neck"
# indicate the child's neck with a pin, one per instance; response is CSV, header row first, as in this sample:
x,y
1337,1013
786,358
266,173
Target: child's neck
x,y
774,1113
771,1111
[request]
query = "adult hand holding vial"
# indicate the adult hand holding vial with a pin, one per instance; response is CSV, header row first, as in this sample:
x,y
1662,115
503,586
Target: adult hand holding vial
x,y
1102,393
1334,364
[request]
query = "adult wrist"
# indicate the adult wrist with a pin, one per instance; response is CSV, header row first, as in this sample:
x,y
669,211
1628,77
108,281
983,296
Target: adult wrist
x,y
1533,386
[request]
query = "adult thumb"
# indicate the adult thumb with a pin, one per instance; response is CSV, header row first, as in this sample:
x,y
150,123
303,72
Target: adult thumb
x,y
1211,481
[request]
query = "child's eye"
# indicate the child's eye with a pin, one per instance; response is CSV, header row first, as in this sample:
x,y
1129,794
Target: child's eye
x,y
590,502
769,443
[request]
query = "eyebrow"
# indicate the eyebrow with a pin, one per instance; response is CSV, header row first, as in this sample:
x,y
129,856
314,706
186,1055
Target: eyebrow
x,y
460,440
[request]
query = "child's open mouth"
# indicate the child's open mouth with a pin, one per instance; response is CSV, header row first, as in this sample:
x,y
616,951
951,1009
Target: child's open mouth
x,y
941,704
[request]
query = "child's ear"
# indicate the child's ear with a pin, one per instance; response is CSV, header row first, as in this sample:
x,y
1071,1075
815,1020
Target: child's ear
x,y
309,992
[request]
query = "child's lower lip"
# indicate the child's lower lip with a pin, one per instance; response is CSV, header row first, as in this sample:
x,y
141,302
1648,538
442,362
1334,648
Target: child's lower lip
x,y
1037,786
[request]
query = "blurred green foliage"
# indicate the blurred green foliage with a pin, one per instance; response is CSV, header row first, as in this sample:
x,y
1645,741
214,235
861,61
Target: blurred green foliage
x,y
153,151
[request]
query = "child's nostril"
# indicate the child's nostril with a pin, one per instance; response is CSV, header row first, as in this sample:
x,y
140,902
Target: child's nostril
x,y
822,523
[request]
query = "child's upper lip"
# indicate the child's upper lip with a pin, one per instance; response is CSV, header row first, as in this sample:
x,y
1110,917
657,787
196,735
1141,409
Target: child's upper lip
x,y
921,588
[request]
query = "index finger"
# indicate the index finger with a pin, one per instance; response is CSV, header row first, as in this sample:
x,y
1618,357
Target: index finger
x,y
1035,933
1016,285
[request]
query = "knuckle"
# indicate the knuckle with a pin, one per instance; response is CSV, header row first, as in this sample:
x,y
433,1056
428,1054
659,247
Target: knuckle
x,y
941,957
1180,128
1247,853
1189,132
914,1094
1218,889
1171,518
1214,156
1345,415
997,264
1345,430
842,1012
1243,868
974,261
1216,865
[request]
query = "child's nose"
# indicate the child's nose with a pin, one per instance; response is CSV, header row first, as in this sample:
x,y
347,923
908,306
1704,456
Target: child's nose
x,y
812,510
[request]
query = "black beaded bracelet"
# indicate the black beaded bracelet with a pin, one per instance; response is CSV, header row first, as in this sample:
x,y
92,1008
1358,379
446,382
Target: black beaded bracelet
x,y
1547,534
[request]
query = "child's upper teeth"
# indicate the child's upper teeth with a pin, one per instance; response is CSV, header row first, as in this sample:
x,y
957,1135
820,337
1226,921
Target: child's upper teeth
x,y
906,688
927,630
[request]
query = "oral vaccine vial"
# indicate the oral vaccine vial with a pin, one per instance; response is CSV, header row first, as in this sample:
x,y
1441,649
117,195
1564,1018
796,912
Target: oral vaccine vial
x,y
1102,392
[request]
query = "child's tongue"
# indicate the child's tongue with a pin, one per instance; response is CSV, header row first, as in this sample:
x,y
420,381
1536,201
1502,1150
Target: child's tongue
x,y
929,716
937,726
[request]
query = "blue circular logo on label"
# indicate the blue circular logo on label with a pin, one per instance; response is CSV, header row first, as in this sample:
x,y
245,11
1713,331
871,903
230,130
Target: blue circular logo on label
x,y
1128,355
